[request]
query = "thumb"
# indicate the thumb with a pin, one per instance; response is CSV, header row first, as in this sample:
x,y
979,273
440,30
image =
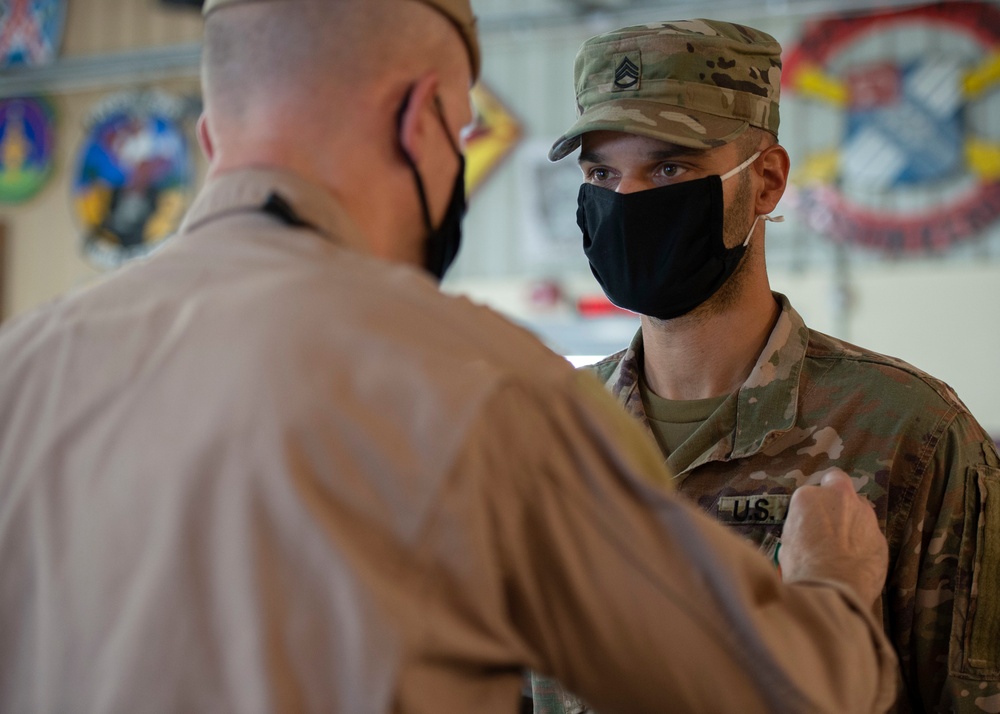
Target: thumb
x,y
837,479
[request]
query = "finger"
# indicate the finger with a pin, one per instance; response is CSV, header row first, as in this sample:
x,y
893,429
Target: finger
x,y
837,479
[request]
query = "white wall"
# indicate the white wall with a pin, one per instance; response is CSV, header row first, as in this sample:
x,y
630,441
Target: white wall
x,y
940,318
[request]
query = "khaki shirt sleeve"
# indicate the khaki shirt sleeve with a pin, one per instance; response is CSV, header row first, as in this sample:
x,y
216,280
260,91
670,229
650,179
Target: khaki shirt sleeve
x,y
634,599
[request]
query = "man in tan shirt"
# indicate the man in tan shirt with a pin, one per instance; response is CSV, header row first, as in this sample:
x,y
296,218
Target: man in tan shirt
x,y
273,468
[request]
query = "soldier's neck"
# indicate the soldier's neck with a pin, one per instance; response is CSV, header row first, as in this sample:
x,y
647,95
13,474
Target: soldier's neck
x,y
711,351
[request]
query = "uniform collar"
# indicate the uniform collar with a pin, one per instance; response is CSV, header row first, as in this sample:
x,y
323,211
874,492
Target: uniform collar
x,y
624,379
247,190
768,401
766,406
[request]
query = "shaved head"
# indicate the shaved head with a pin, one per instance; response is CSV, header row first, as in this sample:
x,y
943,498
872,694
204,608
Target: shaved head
x,y
347,94
293,58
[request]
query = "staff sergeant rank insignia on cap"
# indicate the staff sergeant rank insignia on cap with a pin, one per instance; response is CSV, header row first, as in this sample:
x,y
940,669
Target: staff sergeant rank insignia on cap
x,y
628,72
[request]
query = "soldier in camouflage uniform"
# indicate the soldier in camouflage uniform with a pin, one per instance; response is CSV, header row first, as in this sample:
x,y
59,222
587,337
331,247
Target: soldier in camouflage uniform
x,y
746,402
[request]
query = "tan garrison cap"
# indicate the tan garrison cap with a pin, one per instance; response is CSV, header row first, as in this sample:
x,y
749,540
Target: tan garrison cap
x,y
458,11
694,83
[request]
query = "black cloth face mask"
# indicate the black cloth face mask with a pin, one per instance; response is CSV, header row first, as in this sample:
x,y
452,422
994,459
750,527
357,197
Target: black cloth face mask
x,y
443,242
659,252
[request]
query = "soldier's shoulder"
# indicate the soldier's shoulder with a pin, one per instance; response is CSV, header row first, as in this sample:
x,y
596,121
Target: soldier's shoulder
x,y
880,371
604,368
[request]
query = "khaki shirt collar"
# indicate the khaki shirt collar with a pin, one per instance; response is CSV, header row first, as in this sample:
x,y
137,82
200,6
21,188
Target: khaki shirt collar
x,y
248,190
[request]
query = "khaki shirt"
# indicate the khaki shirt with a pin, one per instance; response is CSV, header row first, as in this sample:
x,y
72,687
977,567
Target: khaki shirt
x,y
262,471
912,448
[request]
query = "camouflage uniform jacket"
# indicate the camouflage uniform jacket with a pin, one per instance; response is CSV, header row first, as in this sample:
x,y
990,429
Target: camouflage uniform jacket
x,y
912,448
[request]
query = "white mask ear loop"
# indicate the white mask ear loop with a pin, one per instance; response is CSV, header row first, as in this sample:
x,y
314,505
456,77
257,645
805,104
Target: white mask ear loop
x,y
730,174
766,217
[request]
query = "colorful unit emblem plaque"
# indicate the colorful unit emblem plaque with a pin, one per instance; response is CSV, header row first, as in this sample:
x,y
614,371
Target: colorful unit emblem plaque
x,y
903,105
30,31
27,140
133,176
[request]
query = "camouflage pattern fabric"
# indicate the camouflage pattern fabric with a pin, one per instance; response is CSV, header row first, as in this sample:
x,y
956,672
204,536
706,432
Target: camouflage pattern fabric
x,y
912,448
695,83
548,697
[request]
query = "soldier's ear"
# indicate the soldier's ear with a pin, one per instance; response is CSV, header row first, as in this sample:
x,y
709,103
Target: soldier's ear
x,y
772,166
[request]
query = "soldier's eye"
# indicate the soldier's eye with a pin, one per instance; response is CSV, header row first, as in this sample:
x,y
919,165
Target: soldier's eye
x,y
598,174
671,170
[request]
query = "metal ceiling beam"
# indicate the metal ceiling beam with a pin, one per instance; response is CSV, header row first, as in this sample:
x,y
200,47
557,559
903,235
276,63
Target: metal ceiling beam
x,y
76,74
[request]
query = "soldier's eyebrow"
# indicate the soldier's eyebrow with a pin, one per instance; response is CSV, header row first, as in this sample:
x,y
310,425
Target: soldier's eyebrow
x,y
674,152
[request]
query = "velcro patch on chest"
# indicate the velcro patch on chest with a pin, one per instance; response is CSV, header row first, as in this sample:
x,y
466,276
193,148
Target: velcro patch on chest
x,y
767,508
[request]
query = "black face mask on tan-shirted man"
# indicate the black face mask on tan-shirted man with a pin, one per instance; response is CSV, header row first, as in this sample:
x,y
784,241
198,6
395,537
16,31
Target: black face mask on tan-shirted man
x,y
443,242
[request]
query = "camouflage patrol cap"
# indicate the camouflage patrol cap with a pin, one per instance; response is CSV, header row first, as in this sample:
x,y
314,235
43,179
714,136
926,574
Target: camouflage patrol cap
x,y
694,83
458,11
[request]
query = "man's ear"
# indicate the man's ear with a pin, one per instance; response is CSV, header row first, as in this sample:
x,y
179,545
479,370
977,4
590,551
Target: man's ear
x,y
414,115
205,138
772,166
